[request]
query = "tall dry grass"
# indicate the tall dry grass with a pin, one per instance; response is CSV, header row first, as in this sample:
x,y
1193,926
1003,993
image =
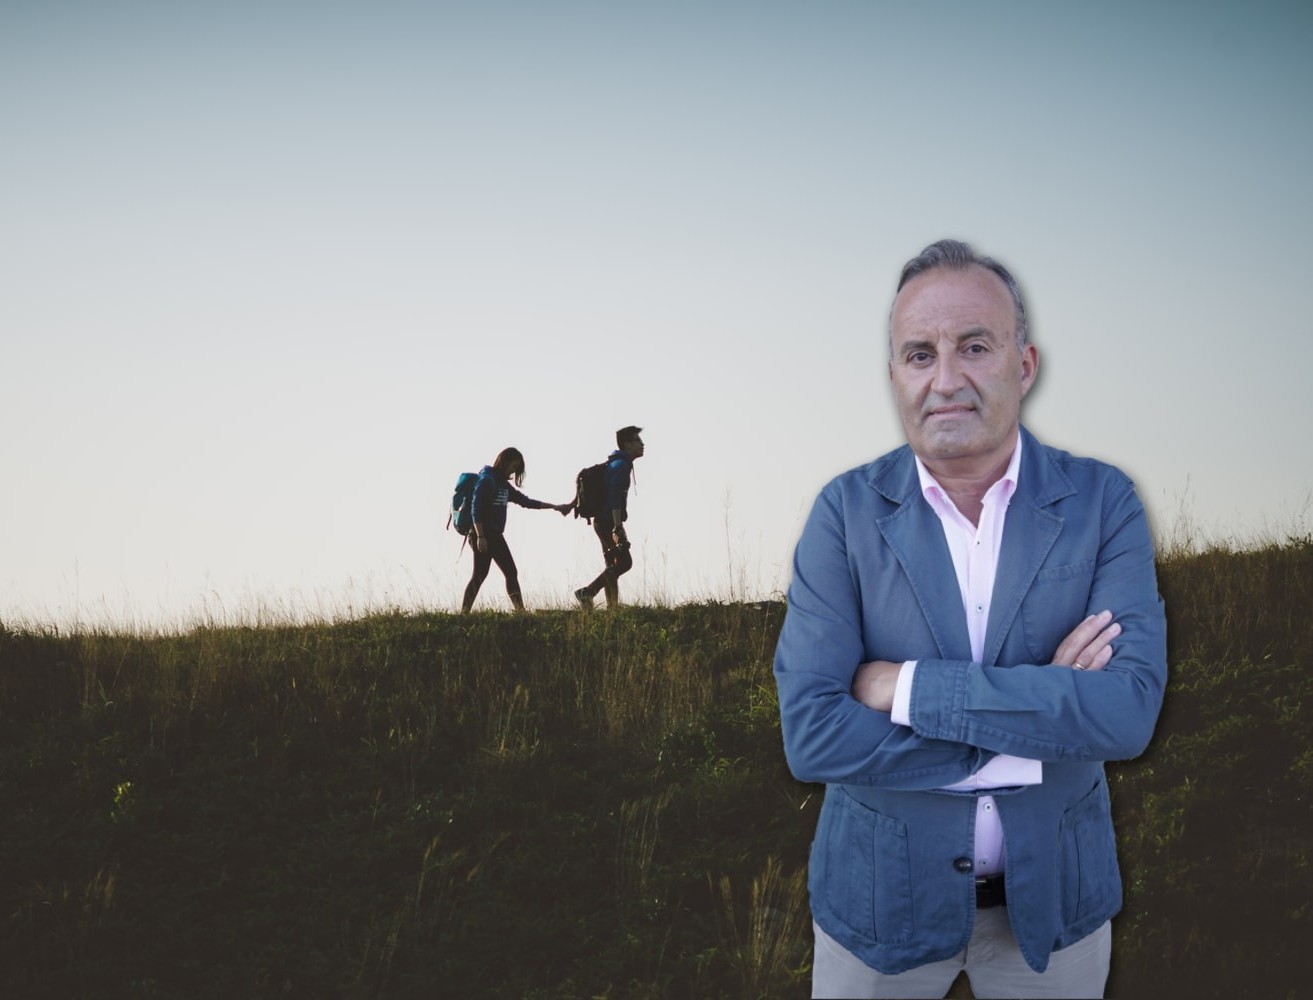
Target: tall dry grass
x,y
561,804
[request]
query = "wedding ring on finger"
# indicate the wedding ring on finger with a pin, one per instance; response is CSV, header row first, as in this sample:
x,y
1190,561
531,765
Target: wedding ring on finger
x,y
1078,665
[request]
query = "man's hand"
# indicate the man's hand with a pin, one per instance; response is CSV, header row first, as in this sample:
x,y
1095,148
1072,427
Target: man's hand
x,y
481,544
874,682
1089,645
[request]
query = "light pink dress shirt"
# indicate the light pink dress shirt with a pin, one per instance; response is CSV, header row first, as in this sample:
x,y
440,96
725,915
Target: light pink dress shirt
x,y
975,550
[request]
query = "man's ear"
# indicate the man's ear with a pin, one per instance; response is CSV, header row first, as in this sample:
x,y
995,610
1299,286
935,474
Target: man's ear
x,y
1029,367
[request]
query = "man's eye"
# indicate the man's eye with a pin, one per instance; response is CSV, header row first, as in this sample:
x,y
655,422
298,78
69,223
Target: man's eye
x,y
919,358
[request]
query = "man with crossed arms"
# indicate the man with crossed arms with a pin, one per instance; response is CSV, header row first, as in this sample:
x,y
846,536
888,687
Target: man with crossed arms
x,y
973,628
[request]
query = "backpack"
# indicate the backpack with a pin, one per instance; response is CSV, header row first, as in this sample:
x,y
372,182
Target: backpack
x,y
590,492
462,503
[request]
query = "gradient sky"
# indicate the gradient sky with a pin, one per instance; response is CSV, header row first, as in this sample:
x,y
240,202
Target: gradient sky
x,y
272,274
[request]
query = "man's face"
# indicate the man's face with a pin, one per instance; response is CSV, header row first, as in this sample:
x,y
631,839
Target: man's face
x,y
634,448
958,377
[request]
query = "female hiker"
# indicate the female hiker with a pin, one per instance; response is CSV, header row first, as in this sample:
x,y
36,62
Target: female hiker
x,y
491,494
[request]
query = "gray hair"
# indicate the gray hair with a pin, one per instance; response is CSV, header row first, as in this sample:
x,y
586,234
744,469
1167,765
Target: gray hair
x,y
956,255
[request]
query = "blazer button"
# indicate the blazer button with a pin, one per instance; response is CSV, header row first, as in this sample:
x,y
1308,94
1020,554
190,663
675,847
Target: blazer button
x,y
963,865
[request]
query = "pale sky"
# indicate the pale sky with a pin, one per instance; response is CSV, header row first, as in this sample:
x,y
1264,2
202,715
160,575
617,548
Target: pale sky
x,y
272,274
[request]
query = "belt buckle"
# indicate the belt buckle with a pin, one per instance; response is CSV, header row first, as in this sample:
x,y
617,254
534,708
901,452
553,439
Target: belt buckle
x,y
990,891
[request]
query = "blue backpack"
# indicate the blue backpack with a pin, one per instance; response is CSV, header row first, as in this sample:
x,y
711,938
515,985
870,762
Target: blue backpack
x,y
462,503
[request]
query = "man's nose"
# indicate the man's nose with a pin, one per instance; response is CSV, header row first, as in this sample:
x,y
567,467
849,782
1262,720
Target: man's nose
x,y
948,374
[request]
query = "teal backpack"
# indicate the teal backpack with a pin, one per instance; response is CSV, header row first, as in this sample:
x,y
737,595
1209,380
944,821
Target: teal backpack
x,y
462,503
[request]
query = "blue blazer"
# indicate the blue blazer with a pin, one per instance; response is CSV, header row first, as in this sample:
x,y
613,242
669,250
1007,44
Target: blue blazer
x,y
873,580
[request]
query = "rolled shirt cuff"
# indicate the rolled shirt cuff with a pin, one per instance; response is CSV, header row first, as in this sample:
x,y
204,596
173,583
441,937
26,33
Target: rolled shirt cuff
x,y
1000,772
901,712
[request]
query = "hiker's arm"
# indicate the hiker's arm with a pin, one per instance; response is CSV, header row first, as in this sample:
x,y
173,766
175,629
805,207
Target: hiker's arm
x,y
618,527
526,501
617,492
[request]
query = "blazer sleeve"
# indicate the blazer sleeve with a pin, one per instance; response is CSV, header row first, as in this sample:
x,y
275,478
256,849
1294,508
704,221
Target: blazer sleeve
x,y
829,736
1053,713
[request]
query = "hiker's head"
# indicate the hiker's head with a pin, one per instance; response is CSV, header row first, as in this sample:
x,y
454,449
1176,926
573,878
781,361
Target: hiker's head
x,y
627,439
510,464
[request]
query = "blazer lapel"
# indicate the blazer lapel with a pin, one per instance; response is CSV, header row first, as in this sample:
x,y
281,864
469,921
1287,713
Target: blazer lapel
x,y
1028,534
916,537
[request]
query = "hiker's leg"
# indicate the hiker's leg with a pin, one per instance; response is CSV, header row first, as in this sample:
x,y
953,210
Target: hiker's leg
x,y
501,552
619,562
603,539
482,562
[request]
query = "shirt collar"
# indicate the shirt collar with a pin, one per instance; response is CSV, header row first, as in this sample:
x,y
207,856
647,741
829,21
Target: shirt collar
x,y
931,490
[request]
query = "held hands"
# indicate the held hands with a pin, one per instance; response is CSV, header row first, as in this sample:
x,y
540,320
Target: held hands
x,y
564,508
1089,645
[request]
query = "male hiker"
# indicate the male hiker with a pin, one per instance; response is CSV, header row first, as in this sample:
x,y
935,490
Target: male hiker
x,y
973,628
609,519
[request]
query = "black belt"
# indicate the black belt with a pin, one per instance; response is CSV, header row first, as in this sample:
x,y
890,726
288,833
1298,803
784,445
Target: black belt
x,y
990,892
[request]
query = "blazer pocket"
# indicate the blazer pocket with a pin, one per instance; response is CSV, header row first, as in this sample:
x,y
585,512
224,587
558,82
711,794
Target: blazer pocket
x,y
868,871
1091,881
1054,605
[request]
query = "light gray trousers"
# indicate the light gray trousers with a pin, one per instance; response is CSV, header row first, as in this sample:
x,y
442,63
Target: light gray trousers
x,y
991,959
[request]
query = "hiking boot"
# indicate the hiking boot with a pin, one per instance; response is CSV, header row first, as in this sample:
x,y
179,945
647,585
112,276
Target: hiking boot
x,y
584,598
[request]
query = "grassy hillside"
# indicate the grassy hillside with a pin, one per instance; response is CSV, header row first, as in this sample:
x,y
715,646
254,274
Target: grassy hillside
x,y
561,805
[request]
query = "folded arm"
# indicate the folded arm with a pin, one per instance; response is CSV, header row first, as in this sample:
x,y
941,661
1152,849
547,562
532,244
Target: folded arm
x,y
829,736
1032,710
1087,647
963,713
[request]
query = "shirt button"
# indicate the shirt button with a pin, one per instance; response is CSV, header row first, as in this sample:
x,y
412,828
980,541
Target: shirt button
x,y
963,865
979,608
989,806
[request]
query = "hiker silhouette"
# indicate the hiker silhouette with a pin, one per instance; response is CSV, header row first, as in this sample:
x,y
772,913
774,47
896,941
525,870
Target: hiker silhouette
x,y
606,507
488,497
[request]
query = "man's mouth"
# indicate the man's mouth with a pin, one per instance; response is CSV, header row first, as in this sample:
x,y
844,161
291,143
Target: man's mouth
x,y
959,410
